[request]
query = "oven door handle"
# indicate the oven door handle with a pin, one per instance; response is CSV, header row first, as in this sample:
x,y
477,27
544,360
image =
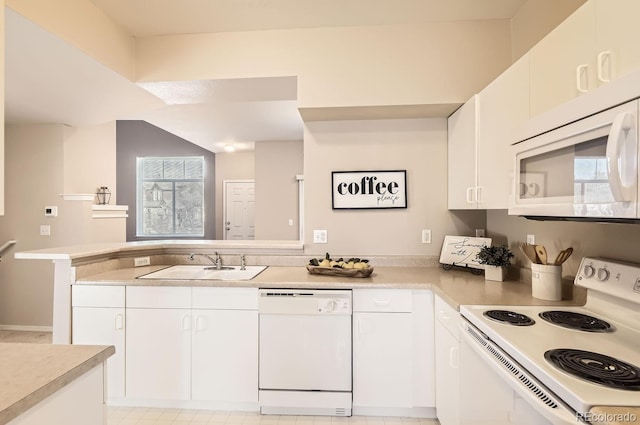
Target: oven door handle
x,y
525,385
622,157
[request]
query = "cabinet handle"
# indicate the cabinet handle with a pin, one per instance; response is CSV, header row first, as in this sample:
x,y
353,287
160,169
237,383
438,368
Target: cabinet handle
x,y
453,357
381,303
470,195
186,323
604,57
479,194
200,324
119,322
580,70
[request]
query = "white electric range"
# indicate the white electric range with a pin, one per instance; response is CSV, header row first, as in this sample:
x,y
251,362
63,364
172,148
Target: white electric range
x,y
558,362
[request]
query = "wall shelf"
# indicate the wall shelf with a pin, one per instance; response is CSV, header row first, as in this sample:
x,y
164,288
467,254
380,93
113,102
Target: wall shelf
x,y
110,211
78,196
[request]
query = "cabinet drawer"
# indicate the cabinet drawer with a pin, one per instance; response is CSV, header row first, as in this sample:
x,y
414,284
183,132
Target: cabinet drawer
x,y
387,300
158,297
97,296
225,298
447,316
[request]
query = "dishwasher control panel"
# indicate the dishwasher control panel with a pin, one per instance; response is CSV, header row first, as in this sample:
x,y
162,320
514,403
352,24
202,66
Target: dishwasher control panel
x,y
302,301
334,305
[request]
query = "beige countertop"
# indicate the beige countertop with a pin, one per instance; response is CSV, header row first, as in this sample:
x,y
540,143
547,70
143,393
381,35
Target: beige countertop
x,y
29,373
457,287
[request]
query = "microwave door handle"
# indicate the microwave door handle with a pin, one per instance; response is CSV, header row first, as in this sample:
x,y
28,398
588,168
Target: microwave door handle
x,y
622,157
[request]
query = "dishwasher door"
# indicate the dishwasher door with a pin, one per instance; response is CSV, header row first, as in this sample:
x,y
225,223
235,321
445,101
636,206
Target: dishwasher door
x,y
305,340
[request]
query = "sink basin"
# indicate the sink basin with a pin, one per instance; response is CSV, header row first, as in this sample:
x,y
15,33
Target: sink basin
x,y
205,273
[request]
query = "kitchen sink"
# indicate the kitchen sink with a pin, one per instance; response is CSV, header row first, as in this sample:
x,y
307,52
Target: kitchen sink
x,y
205,273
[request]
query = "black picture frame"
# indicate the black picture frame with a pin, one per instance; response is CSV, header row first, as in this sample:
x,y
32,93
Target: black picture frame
x,y
369,189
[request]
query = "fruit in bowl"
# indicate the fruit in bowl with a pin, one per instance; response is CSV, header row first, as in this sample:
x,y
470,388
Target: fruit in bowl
x,y
340,263
351,267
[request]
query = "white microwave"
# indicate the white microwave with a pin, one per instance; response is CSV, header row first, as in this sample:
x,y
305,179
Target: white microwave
x,y
584,170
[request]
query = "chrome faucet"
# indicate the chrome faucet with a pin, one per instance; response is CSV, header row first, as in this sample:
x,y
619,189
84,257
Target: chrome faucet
x,y
216,261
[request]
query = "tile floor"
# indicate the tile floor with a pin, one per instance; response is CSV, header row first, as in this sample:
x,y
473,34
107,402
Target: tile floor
x,y
153,416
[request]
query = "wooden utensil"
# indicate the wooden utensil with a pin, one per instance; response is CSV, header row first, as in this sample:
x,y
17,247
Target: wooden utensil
x,y
542,253
563,256
530,252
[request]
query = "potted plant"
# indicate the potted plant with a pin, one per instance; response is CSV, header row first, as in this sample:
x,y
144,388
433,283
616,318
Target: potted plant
x,y
496,260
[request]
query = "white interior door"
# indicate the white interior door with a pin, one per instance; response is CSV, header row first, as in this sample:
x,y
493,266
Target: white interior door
x,y
239,207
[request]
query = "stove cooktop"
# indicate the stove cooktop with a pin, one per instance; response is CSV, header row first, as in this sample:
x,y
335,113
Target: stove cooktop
x,y
577,321
528,345
595,367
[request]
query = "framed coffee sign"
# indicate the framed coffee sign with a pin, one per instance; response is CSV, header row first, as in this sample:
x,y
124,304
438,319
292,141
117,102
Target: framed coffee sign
x,y
369,189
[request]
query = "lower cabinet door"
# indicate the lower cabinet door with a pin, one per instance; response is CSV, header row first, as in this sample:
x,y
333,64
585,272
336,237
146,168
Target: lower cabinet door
x,y
158,354
225,356
382,359
447,376
103,326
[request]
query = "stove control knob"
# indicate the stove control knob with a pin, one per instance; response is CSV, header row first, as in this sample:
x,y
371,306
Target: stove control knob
x,y
588,271
603,275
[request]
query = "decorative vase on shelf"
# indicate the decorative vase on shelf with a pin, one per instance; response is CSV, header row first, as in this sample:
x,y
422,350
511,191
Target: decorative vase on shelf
x,y
496,273
103,195
496,260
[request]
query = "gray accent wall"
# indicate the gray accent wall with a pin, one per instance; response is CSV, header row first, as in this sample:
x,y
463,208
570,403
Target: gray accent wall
x,y
139,139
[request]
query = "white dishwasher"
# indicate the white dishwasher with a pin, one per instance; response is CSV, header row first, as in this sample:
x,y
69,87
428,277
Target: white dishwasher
x,y
305,352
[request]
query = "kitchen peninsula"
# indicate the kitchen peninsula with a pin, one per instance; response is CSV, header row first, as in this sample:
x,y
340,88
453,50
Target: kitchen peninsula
x,y
112,264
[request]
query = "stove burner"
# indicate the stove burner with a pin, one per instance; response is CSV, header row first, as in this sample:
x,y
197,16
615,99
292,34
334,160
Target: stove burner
x,y
578,321
509,317
596,368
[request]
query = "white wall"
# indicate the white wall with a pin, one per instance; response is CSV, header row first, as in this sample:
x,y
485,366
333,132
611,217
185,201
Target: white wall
x,y
619,241
416,145
277,199
356,66
535,19
42,163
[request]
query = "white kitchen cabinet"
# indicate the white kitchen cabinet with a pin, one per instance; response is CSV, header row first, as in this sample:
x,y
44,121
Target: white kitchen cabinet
x,y
225,345
503,106
382,360
99,319
393,360
480,133
158,354
461,154
447,345
617,36
595,45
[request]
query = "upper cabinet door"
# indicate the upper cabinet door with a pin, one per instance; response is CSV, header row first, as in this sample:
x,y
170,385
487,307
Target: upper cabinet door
x,y
597,44
563,63
618,38
461,150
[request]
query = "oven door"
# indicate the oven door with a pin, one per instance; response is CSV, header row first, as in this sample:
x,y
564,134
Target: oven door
x,y
588,168
498,391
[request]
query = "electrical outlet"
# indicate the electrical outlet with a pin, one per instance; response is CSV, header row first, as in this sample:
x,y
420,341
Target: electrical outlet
x,y
479,233
141,261
45,230
319,236
531,239
426,235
